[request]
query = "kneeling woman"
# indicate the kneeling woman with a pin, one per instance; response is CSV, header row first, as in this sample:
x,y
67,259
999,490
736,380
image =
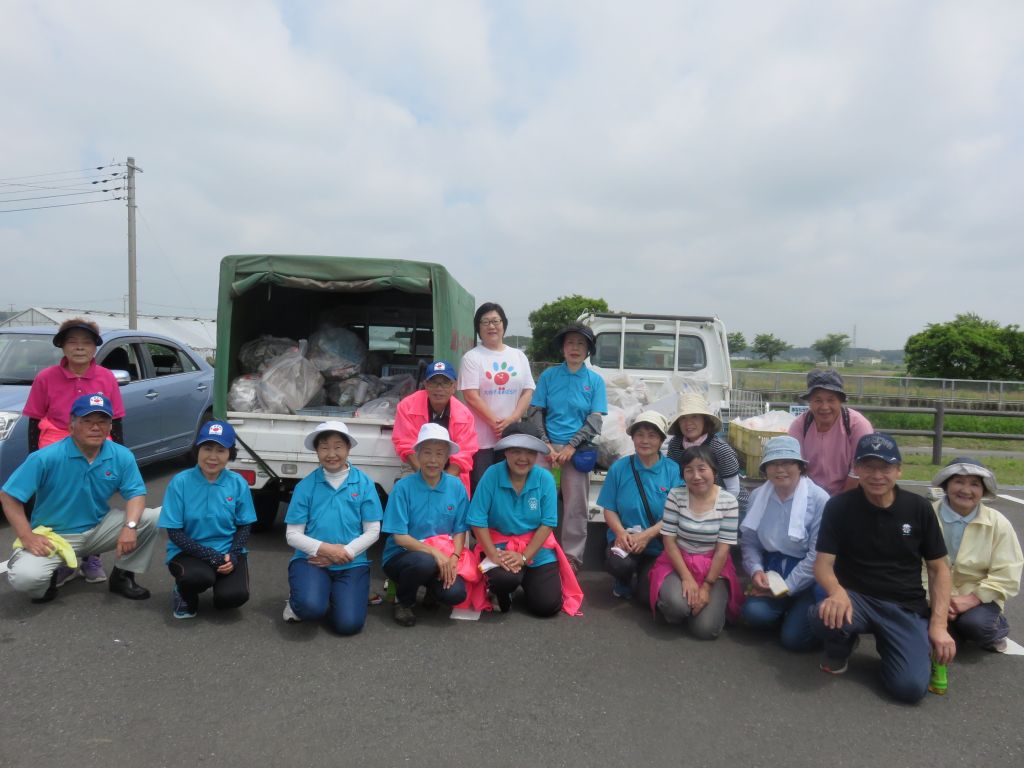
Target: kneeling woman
x,y
694,579
333,518
426,517
983,550
513,513
208,514
779,535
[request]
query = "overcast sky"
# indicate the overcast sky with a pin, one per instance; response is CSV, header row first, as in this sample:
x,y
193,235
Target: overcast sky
x,y
797,167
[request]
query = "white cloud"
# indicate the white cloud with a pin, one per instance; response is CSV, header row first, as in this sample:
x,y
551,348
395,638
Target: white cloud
x,y
794,167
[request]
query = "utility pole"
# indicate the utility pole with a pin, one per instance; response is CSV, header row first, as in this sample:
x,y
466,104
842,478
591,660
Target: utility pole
x,y
133,299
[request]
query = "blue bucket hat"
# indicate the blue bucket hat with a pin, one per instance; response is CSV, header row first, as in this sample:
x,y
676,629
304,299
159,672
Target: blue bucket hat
x,y
219,432
782,448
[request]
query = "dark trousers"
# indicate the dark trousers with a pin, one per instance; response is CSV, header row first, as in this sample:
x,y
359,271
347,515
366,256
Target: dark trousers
x,y
315,591
542,586
901,637
194,576
412,570
626,569
482,461
985,624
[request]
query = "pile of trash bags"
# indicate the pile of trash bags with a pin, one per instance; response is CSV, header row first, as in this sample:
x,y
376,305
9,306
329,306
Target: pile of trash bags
x,y
627,397
282,375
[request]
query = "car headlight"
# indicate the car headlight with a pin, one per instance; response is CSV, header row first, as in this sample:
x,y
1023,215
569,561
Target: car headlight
x,y
7,421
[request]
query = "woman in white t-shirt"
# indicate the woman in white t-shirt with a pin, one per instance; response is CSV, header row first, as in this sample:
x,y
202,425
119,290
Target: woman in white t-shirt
x,y
496,383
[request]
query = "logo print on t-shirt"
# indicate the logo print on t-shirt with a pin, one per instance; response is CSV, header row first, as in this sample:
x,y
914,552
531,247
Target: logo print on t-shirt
x,y
533,503
905,529
502,374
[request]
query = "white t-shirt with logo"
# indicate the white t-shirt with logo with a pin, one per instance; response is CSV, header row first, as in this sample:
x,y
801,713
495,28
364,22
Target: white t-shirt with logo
x,y
499,378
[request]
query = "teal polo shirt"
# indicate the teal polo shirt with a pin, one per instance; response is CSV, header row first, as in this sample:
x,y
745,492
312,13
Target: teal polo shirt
x,y
417,510
72,495
334,516
496,505
621,495
568,398
208,513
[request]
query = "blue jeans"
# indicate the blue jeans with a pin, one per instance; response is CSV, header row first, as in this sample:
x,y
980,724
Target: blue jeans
x,y
901,637
985,624
412,570
791,611
345,593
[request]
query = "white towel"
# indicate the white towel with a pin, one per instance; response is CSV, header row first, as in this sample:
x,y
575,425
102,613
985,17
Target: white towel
x,y
798,513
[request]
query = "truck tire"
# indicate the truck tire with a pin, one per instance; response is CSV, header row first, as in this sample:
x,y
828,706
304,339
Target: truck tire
x,y
266,502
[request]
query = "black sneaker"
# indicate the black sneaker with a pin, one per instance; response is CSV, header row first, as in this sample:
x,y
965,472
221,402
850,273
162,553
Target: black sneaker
x,y
123,583
504,601
404,616
50,593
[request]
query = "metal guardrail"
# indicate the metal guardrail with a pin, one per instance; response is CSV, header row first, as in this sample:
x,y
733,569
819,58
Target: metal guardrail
x,y
862,387
938,432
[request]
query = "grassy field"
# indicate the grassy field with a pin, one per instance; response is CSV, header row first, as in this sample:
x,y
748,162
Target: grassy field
x,y
992,424
1008,471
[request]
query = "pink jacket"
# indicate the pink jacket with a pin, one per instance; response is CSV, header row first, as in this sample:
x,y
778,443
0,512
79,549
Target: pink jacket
x,y
411,414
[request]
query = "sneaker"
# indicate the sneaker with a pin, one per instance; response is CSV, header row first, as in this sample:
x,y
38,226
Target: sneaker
x,y
504,601
50,593
63,575
622,590
404,615
834,666
289,615
92,569
181,608
999,646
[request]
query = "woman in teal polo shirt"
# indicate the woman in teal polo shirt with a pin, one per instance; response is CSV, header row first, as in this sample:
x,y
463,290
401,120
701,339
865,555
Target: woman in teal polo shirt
x,y
513,512
208,514
633,498
426,517
333,518
571,399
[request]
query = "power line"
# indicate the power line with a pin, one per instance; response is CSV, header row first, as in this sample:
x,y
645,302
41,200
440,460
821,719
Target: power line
x,y
60,205
63,194
63,183
62,173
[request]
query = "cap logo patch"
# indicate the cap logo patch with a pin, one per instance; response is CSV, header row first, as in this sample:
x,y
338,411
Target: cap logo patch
x,y
96,400
216,429
438,366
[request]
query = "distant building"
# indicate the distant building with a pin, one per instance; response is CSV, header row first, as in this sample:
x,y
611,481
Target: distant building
x,y
198,332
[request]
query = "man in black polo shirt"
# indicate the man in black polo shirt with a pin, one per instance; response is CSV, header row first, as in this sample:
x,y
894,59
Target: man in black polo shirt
x,y
870,547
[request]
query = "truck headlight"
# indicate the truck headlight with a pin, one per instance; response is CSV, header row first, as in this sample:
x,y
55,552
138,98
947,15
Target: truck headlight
x,y
7,421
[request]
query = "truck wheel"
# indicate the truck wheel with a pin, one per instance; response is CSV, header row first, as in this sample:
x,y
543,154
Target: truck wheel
x,y
266,503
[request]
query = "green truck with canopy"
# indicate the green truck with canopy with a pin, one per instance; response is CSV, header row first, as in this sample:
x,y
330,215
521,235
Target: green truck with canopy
x,y
403,314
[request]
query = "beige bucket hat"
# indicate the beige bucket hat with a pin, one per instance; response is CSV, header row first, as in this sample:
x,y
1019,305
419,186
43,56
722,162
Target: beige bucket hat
x,y
692,404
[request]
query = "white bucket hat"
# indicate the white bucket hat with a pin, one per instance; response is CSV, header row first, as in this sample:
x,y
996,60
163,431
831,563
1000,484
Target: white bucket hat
x,y
329,426
651,419
692,404
431,431
963,465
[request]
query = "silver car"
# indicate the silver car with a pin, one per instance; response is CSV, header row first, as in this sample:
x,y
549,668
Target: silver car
x,y
167,390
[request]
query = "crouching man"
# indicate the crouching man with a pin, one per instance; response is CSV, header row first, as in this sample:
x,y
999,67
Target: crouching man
x,y
871,544
72,482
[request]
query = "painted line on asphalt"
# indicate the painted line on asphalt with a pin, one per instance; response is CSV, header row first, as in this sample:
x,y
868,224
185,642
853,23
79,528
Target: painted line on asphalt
x,y
1010,498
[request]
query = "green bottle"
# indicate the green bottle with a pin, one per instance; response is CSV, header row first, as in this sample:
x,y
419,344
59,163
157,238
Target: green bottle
x,y
940,679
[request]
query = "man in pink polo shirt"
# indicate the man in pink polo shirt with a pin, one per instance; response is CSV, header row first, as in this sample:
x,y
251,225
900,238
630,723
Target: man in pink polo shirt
x,y
829,432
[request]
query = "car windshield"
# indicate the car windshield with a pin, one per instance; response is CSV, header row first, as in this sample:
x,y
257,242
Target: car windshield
x,y
23,355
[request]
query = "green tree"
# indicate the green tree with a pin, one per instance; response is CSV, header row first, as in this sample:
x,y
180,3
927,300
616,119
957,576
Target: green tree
x,y
737,341
831,346
968,347
767,345
548,319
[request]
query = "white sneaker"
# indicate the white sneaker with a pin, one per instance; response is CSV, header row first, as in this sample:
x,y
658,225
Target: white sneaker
x,y
289,614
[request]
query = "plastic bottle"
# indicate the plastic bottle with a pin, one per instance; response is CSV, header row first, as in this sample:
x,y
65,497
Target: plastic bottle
x,y
939,681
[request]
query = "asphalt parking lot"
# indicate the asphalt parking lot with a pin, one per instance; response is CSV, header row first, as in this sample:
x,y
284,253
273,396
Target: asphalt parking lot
x,y
93,679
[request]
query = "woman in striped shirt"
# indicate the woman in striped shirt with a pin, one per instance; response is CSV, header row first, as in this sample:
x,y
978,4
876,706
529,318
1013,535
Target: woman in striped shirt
x,y
694,581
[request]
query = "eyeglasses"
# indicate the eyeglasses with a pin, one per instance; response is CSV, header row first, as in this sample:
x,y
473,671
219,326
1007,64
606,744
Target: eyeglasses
x,y
493,322
439,382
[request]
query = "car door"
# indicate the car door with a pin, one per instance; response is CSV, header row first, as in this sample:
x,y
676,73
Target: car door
x,y
180,389
142,425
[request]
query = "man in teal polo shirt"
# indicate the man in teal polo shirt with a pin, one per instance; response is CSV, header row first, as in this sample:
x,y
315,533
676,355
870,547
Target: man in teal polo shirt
x,y
72,482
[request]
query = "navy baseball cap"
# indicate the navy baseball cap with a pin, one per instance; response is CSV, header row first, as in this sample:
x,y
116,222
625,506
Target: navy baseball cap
x,y
94,403
878,446
219,432
440,368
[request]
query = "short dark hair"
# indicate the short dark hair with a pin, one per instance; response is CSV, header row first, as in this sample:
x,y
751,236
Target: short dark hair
x,y
321,435
701,452
483,309
232,452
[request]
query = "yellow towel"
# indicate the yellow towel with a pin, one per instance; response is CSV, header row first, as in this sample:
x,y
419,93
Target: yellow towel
x,y
59,543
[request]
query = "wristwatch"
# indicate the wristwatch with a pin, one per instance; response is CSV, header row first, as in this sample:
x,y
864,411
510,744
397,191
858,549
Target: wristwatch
x,y
525,561
131,525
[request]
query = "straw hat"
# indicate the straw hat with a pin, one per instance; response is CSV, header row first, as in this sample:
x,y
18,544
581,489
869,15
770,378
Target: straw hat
x,y
692,404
